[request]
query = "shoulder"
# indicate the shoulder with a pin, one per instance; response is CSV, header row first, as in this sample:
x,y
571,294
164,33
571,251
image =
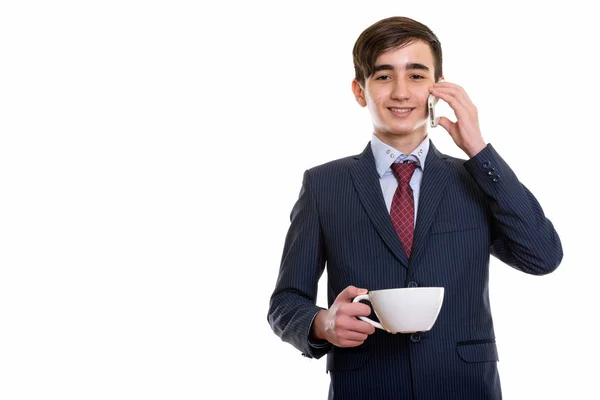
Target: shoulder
x,y
455,163
333,167
332,174
453,167
340,165
449,161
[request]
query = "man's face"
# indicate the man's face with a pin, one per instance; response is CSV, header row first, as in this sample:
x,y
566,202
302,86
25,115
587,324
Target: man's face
x,y
396,94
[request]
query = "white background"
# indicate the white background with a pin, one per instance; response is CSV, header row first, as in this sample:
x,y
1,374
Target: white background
x,y
151,152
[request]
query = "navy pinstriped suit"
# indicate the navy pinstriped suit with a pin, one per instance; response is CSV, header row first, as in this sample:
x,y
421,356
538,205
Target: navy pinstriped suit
x,y
467,211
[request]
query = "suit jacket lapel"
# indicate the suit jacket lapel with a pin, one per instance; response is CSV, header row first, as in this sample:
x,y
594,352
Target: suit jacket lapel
x,y
366,180
433,185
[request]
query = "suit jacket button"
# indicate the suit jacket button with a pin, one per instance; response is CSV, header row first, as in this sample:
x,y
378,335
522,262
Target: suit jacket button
x,y
415,337
412,284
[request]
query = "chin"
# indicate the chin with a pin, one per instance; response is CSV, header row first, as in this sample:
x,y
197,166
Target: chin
x,y
400,132
403,131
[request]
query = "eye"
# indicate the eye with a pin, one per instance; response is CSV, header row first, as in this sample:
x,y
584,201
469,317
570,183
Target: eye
x,y
383,78
417,77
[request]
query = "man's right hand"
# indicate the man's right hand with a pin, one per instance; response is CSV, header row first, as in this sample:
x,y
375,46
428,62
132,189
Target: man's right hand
x,y
339,325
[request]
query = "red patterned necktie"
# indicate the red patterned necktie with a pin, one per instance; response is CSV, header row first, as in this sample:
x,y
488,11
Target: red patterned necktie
x,y
402,211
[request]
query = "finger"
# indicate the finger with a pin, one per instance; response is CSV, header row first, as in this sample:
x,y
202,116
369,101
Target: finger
x,y
463,112
350,343
449,85
352,335
455,91
362,327
446,96
450,96
446,124
349,293
355,325
355,309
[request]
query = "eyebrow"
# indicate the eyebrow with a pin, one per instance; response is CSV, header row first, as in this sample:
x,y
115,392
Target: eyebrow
x,y
388,67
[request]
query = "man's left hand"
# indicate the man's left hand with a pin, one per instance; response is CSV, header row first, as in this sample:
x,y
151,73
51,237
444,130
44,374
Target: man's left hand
x,y
465,131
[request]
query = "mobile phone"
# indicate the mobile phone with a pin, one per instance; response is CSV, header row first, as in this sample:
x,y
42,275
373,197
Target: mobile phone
x,y
433,119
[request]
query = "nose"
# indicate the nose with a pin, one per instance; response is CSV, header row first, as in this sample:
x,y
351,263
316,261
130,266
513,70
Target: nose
x,y
400,90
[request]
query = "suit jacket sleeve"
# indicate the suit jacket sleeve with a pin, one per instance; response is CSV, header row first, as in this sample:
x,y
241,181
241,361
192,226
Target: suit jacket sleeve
x,y
522,236
293,302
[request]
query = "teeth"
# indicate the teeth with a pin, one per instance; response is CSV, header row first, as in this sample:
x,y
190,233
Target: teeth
x,y
401,110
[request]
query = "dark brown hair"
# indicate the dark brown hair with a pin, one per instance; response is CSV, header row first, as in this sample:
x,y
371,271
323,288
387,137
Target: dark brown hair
x,y
390,34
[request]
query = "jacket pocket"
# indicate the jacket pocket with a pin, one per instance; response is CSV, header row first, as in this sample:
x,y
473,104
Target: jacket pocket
x,y
341,360
477,351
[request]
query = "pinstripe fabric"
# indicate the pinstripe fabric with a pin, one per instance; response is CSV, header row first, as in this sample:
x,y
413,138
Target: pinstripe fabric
x,y
467,211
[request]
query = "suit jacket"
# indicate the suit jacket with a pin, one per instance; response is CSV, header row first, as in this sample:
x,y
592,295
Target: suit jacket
x,y
468,210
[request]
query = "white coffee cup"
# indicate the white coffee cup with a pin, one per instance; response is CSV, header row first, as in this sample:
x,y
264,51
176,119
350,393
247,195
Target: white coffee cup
x,y
404,310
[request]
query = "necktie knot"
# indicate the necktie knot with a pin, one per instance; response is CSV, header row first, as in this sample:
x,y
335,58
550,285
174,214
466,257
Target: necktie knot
x,y
403,171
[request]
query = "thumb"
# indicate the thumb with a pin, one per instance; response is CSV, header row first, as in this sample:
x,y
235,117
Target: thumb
x,y
446,124
350,293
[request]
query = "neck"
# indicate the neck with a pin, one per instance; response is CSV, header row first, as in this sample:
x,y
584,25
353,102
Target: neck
x,y
404,143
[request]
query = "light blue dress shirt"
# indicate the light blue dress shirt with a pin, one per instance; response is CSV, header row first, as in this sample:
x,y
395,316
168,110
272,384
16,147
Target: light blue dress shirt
x,y
386,155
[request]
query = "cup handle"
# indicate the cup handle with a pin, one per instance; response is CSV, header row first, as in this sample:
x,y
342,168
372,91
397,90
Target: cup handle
x,y
366,297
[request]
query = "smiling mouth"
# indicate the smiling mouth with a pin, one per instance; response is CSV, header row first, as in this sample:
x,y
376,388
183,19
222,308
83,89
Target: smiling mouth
x,y
400,111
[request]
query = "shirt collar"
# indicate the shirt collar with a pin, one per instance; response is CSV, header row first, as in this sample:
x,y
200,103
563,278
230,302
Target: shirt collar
x,y
386,155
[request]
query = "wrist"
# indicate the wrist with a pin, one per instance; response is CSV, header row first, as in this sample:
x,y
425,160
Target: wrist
x,y
473,150
316,330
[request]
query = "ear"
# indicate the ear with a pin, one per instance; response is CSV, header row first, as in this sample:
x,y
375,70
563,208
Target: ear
x,y
359,93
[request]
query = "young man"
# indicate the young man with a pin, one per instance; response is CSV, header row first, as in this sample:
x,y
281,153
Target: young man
x,y
401,214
